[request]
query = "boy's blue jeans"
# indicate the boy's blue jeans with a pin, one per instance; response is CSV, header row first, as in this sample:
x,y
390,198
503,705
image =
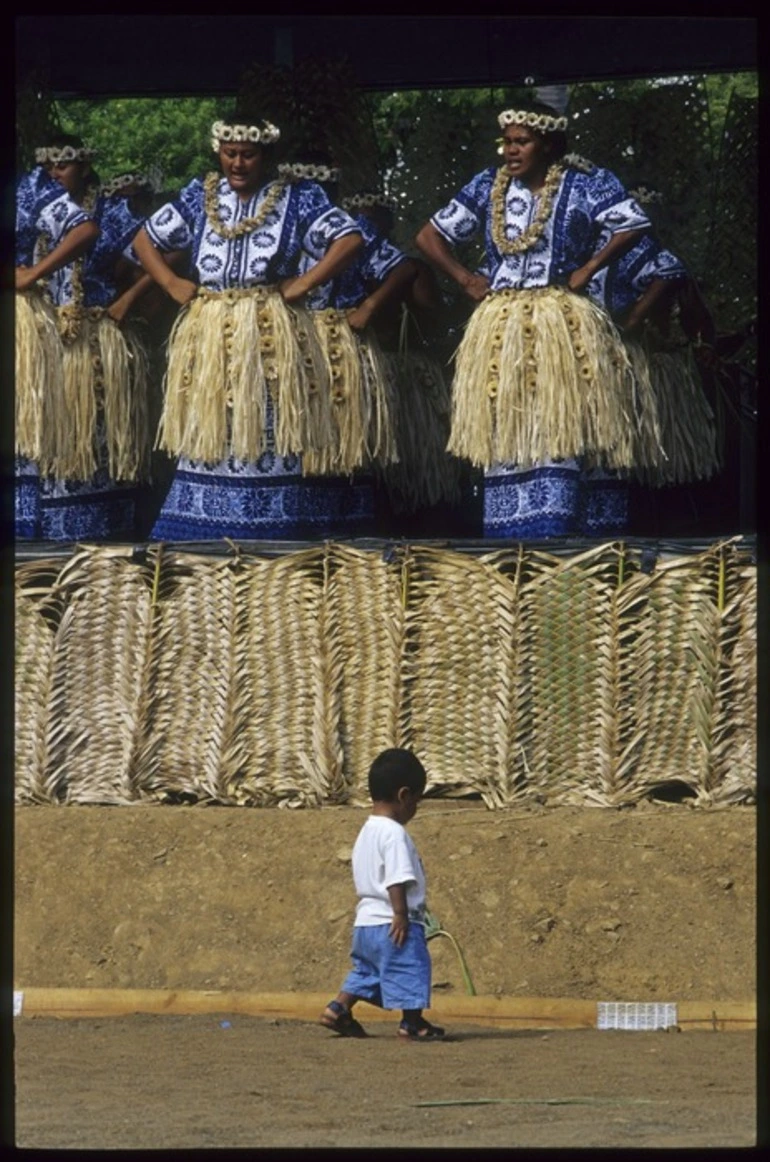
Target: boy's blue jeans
x,y
386,975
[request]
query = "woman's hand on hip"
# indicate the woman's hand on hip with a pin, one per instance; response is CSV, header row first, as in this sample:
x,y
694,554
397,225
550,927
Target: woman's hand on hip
x,y
182,291
360,316
25,278
293,289
476,286
580,278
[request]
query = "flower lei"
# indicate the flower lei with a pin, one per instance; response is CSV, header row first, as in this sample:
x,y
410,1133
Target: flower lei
x,y
533,232
221,131
311,173
246,225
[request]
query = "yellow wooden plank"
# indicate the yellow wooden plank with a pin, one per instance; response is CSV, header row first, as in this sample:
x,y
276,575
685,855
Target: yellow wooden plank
x,y
507,1012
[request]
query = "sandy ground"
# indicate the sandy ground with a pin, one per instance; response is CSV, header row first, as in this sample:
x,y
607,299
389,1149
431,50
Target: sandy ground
x,y
653,903
147,1082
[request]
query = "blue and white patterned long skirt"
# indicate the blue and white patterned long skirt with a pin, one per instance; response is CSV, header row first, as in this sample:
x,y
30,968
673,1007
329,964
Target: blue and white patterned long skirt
x,y
267,499
45,509
553,499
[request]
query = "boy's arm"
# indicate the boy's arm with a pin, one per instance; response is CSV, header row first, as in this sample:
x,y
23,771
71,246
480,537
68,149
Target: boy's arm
x,y
400,923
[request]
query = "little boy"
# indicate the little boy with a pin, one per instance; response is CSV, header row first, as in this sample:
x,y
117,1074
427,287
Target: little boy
x,y
391,962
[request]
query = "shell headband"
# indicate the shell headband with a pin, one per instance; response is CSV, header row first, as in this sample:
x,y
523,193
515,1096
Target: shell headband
x,y
58,153
366,201
310,173
545,122
127,179
222,132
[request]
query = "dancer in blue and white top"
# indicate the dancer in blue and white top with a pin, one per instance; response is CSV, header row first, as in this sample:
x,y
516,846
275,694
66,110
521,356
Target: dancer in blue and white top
x,y
246,389
100,446
645,291
43,206
543,389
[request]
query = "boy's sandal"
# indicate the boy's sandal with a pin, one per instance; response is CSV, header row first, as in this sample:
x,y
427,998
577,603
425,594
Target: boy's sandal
x,y
420,1030
341,1021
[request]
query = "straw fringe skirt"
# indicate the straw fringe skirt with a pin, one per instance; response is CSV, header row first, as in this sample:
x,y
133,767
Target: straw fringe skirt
x,y
541,375
39,376
363,399
228,351
426,474
105,399
687,424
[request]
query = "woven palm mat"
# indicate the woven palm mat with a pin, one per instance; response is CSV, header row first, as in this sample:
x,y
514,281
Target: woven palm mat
x,y
237,683
38,613
91,689
258,681
465,624
365,624
680,675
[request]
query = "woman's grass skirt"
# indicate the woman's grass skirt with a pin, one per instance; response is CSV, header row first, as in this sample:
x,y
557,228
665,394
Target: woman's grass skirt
x,y
545,400
39,378
425,474
106,394
82,438
686,420
543,375
231,352
363,399
249,410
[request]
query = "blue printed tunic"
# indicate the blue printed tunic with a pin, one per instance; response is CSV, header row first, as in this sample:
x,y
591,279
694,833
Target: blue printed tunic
x,y
588,209
118,225
372,265
618,286
303,221
43,206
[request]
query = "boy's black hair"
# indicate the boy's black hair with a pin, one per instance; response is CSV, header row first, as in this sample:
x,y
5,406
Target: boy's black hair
x,y
393,769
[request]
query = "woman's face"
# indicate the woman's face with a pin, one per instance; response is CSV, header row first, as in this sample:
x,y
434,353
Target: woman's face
x,y
242,166
527,154
71,174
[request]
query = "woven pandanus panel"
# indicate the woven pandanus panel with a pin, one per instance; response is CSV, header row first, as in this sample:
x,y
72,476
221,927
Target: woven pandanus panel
x,y
591,678
464,631
734,752
570,675
96,690
189,679
365,636
283,749
674,668
37,615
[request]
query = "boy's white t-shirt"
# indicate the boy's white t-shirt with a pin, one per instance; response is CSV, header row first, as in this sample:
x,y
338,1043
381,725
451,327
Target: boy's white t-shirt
x,y
383,855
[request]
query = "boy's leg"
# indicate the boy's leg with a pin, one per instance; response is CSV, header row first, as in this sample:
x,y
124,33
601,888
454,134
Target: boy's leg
x,y
414,1027
361,983
338,1017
